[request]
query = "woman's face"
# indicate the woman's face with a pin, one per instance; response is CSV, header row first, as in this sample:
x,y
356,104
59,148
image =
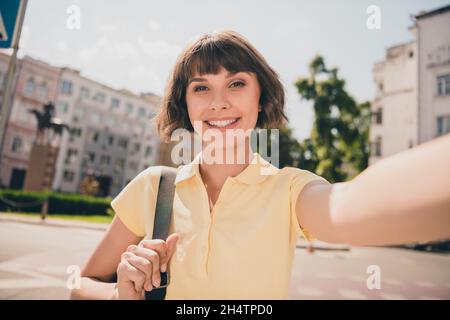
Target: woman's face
x,y
223,101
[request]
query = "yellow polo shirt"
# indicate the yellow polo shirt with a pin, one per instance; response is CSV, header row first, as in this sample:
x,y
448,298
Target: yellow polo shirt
x,y
244,248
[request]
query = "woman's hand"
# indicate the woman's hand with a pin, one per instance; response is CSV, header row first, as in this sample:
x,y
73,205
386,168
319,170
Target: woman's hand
x,y
140,266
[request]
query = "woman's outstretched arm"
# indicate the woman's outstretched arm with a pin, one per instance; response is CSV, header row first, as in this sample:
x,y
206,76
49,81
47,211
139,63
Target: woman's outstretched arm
x,y
401,199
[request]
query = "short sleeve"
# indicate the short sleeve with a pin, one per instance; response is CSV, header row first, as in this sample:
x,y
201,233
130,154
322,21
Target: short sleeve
x,y
135,204
300,180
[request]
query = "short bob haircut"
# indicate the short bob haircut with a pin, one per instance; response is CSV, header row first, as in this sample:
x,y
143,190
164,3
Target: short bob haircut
x,y
206,55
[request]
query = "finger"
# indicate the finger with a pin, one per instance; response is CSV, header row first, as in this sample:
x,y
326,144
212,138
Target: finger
x,y
144,265
153,257
158,245
171,246
136,276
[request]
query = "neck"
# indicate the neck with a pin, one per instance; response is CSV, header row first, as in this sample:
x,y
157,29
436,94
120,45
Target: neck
x,y
215,174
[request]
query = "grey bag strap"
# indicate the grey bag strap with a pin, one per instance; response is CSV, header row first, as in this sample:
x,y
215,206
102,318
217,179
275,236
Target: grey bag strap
x,y
164,203
163,214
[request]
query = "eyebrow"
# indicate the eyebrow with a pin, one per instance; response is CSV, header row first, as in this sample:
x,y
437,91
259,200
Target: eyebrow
x,y
229,75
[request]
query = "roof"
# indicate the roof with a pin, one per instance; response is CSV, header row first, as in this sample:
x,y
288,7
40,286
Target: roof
x,y
432,12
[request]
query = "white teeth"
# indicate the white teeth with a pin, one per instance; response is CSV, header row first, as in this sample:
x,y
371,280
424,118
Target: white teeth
x,y
222,123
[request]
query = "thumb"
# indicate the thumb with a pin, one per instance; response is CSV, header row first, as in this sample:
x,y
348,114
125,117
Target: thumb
x,y
171,243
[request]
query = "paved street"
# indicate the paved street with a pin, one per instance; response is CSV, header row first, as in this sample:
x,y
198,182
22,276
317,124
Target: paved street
x,y
34,261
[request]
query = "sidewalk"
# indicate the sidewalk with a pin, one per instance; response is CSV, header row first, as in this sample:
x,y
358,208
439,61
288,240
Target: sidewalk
x,y
320,245
55,222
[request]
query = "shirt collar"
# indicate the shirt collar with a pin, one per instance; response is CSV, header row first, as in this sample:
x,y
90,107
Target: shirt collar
x,y
257,171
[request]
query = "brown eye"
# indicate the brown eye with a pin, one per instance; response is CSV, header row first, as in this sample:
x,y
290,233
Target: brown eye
x,y
199,88
240,83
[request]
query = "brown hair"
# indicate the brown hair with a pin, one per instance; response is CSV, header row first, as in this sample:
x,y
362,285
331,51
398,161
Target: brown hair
x,y
206,55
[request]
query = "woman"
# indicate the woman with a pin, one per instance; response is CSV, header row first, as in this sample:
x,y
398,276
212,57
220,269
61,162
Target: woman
x,y
235,224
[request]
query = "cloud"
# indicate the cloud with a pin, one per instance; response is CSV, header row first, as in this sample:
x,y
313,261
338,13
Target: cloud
x,y
124,50
153,25
62,46
157,48
108,28
90,52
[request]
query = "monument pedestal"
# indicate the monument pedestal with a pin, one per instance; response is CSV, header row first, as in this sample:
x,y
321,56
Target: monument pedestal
x,y
41,167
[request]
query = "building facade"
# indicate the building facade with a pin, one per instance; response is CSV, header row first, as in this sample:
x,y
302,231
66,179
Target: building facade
x,y
112,133
412,100
35,83
394,109
433,37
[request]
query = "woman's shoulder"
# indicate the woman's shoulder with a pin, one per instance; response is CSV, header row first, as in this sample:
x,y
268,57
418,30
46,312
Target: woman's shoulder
x,y
293,172
297,174
147,178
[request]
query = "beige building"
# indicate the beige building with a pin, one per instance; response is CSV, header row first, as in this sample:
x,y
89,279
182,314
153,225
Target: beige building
x,y
412,100
433,37
394,110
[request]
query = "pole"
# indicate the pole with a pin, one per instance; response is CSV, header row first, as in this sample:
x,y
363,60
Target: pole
x,y
6,105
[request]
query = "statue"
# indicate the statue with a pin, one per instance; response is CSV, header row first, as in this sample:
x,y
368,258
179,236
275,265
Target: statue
x,y
45,149
46,121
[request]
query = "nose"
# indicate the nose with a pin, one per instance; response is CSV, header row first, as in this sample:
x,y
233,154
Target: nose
x,y
220,106
219,103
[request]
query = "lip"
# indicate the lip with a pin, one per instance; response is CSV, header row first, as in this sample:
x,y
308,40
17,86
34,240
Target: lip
x,y
230,126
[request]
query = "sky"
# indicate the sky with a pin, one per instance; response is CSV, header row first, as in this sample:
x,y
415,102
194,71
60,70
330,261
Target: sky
x,y
134,44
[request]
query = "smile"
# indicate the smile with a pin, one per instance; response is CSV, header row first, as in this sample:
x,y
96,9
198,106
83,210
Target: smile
x,y
222,123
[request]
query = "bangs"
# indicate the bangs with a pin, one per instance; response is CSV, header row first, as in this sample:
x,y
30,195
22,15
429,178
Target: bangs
x,y
211,55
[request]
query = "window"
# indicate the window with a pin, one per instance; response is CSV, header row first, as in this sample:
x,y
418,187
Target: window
x,y
378,116
43,91
78,114
66,87
84,92
120,163
95,137
68,175
91,157
111,122
105,160
16,144
62,107
76,132
99,97
110,140
133,165
443,85
378,147
141,112
95,117
380,86
129,108
123,143
115,103
71,156
411,54
29,87
148,151
443,125
137,147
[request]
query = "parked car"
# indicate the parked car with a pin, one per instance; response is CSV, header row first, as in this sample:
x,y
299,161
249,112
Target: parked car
x,y
434,246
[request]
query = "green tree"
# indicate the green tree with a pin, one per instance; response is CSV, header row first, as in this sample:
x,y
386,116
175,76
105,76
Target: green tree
x,y
338,147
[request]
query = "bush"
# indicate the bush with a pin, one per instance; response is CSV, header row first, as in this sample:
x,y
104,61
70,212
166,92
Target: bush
x,y
58,203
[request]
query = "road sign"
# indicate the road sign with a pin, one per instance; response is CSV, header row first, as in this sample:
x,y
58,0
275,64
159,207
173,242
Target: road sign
x,y
9,17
